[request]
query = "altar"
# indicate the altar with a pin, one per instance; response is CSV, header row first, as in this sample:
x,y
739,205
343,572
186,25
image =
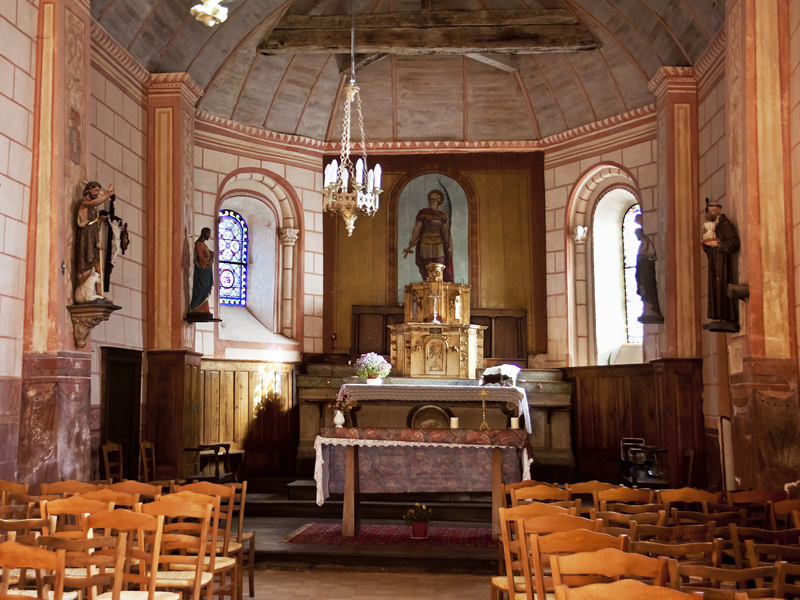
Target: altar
x,y
354,460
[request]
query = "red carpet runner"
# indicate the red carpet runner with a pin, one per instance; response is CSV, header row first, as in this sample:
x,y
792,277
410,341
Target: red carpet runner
x,y
397,535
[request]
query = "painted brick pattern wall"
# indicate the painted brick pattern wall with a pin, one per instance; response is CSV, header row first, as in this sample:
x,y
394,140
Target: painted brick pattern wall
x,y
211,168
18,23
640,160
713,152
118,149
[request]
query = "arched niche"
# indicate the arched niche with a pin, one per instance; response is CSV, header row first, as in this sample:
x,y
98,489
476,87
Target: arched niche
x,y
272,209
595,184
473,237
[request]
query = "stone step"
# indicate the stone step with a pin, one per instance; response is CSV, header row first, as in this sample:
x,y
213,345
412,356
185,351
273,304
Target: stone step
x,y
319,381
328,370
537,374
538,400
545,387
305,393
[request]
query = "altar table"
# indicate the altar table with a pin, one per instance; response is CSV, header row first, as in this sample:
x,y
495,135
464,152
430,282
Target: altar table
x,y
373,460
444,394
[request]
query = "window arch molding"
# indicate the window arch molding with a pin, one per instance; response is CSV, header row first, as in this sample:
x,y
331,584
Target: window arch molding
x,y
281,199
589,190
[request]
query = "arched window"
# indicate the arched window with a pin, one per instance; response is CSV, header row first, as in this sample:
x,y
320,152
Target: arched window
x,y
232,244
633,302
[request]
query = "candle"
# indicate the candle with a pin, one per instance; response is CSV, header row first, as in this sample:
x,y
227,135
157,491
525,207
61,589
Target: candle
x,y
360,171
453,422
514,422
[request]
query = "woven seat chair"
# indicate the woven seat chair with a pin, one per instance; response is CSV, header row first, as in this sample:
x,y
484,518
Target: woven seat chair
x,y
15,557
626,589
602,566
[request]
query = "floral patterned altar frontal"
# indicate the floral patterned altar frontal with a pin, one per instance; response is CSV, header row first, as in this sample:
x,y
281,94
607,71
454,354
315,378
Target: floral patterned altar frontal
x,y
419,460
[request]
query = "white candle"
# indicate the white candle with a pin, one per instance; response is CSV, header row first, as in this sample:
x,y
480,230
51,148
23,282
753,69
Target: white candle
x,y
360,171
453,422
514,422
345,179
377,176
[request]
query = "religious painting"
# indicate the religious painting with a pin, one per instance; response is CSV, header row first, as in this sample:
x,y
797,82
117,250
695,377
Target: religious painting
x,y
432,221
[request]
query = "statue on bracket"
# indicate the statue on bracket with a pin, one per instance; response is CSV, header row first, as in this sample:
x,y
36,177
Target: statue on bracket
x,y
431,236
203,280
88,267
723,309
646,285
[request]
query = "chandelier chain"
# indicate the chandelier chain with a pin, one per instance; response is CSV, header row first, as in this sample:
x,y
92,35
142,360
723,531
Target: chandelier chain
x,y
361,127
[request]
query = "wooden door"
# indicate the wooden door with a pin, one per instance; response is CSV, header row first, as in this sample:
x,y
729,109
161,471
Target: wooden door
x,y
121,403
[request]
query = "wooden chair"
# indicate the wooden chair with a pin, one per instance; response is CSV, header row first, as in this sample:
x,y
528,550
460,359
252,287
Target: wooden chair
x,y
33,503
789,584
539,493
704,553
687,498
69,488
541,547
184,543
147,492
509,487
10,487
626,589
701,532
622,495
614,523
217,561
16,556
69,514
584,491
144,543
513,547
222,462
112,461
147,453
243,536
690,577
92,564
787,537
120,499
779,514
755,496
602,566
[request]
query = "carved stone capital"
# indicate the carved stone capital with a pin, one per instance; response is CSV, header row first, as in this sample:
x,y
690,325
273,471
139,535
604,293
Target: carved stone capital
x,y
86,317
289,236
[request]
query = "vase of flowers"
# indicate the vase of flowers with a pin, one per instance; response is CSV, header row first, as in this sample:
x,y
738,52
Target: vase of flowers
x,y
340,406
373,368
418,517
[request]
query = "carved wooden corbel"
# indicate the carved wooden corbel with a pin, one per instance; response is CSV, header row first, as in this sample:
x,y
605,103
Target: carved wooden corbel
x,y
87,316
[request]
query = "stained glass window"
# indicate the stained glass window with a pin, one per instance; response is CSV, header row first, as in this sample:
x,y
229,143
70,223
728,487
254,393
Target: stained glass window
x,y
633,302
232,244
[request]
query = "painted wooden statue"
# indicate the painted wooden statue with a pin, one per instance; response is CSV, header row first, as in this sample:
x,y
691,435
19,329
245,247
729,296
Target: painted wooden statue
x,y
431,236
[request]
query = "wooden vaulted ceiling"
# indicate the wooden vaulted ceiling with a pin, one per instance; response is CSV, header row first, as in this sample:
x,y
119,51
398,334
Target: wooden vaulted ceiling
x,y
422,97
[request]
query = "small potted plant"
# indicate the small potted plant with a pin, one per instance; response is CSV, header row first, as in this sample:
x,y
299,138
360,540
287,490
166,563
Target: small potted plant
x,y
339,406
373,368
418,517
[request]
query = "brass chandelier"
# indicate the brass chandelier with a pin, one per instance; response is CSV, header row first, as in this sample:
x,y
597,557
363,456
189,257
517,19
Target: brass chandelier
x,y
348,189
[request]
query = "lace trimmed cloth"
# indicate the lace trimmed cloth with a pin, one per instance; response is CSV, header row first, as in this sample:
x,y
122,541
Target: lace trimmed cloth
x,y
439,393
419,460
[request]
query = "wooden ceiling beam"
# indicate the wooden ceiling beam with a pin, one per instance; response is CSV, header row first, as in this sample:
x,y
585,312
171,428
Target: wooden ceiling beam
x,y
362,60
438,32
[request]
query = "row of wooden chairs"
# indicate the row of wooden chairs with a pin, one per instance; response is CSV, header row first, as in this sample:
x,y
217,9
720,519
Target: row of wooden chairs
x,y
130,494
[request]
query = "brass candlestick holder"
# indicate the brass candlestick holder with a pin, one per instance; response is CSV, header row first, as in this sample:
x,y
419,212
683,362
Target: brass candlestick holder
x,y
484,426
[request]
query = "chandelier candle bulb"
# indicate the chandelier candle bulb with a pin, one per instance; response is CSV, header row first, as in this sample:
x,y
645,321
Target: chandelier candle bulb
x,y
453,422
370,179
377,180
360,171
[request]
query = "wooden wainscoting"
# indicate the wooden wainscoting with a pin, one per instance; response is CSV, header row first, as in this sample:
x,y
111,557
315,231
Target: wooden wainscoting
x,y
660,401
504,341
252,405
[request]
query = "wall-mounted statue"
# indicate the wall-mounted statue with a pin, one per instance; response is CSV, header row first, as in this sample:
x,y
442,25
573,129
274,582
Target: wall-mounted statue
x,y
87,240
203,281
431,236
720,249
646,285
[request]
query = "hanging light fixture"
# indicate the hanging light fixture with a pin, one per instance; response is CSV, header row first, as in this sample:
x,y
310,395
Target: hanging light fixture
x,y
210,12
351,189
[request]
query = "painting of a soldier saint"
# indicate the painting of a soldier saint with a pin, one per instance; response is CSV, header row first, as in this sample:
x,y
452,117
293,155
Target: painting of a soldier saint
x,y
432,226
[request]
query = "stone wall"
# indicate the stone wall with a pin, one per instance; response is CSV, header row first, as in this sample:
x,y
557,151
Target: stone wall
x,y
18,25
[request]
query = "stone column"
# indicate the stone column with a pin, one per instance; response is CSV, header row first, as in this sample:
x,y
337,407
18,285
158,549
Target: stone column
x,y
288,240
678,271
763,355
54,407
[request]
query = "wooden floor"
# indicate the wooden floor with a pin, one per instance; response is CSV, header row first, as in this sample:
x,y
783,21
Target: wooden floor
x,y
272,550
357,584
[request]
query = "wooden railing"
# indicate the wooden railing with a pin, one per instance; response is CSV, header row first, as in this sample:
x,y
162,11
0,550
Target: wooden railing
x,y
251,404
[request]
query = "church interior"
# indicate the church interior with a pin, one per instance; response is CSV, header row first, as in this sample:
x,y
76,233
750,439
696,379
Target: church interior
x,y
209,213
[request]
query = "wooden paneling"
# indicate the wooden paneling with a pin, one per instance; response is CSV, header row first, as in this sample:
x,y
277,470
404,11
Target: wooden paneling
x,y
505,338
660,401
251,405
